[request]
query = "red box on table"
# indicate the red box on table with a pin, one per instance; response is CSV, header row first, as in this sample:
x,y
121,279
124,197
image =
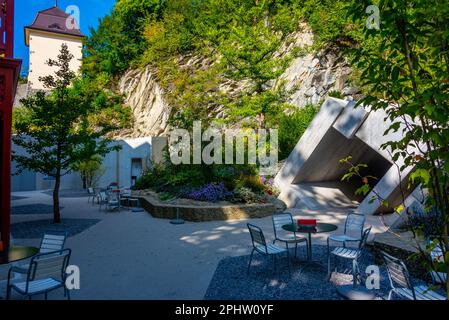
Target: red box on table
x,y
307,222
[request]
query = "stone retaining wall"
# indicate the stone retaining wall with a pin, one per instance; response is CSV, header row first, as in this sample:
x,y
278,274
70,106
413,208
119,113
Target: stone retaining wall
x,y
196,213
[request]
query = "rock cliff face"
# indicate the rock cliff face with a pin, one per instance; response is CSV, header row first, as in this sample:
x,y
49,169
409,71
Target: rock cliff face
x,y
310,78
21,92
313,76
146,99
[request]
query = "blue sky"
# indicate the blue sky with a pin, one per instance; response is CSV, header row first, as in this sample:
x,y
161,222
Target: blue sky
x,y
26,10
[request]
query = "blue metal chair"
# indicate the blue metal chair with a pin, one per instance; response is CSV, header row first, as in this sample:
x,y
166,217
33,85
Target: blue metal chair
x,y
260,246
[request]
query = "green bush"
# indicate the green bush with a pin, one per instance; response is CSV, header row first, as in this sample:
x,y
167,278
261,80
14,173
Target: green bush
x,y
246,195
176,181
336,94
330,22
292,127
250,182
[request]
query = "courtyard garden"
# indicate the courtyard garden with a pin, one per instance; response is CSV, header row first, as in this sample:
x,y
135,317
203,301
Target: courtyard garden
x,y
326,80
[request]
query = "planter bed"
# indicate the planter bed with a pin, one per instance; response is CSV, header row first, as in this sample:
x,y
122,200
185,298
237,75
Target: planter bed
x,y
197,211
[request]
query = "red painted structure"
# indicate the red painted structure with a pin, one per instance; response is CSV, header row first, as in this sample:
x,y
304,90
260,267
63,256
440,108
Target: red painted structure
x,y
9,74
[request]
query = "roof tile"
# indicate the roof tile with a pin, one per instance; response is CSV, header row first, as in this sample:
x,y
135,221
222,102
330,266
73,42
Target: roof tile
x,y
54,20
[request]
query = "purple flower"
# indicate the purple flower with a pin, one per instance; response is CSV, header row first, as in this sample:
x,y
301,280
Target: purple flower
x,y
210,192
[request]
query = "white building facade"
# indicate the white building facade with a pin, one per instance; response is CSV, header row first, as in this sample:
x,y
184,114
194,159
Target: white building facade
x,y
50,29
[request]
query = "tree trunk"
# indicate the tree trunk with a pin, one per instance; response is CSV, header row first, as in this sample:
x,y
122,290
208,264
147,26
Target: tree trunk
x,y
84,177
261,121
56,211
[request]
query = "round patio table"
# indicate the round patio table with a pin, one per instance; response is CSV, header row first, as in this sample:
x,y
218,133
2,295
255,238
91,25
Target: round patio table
x,y
17,253
320,228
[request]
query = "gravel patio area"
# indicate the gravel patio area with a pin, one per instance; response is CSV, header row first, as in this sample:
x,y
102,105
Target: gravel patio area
x,y
307,282
128,255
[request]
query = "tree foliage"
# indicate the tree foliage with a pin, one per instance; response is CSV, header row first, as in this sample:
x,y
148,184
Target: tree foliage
x,y
405,71
67,125
119,39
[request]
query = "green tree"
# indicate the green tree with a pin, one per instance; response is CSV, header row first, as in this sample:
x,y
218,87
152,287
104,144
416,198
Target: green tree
x,y
68,125
292,126
119,40
249,35
90,169
405,71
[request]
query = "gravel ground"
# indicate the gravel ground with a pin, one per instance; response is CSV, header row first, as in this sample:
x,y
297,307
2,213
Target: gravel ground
x,y
35,208
231,282
36,229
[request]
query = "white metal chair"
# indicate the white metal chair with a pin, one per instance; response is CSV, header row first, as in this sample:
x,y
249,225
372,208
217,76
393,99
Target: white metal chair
x,y
401,284
350,254
260,246
102,199
279,220
438,277
91,195
46,272
353,230
113,200
50,243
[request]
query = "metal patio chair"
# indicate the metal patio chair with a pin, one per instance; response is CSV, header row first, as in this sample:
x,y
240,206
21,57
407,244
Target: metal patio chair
x,y
53,241
102,199
46,272
437,255
260,246
50,243
352,254
353,230
400,282
91,195
113,200
279,220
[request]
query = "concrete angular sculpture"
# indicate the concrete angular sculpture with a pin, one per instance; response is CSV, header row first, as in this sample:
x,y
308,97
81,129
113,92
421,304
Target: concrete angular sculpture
x,y
311,176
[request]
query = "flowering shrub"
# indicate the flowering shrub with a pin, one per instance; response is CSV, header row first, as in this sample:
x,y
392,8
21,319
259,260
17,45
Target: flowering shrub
x,y
210,192
270,188
208,183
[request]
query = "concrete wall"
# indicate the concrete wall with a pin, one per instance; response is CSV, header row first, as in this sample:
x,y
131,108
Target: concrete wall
x,y
158,144
116,167
44,46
